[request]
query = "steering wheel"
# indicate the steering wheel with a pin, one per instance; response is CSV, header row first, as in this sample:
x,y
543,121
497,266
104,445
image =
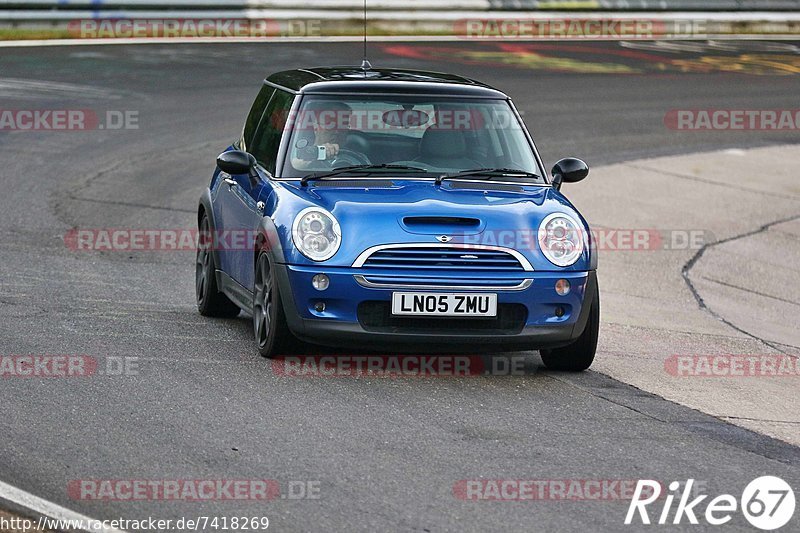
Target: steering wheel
x,y
348,157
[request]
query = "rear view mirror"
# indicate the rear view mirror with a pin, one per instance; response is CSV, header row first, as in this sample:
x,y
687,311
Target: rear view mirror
x,y
407,118
569,170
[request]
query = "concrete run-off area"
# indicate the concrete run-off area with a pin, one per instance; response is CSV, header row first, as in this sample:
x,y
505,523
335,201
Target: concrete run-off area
x,y
718,331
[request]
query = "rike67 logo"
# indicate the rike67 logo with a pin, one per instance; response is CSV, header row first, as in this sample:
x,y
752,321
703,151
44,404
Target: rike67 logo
x,y
767,503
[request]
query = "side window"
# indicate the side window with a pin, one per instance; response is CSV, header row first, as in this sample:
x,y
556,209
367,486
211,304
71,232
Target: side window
x,y
267,139
255,114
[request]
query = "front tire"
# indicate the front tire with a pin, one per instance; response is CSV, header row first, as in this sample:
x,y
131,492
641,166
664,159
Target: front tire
x,y
269,322
579,355
210,302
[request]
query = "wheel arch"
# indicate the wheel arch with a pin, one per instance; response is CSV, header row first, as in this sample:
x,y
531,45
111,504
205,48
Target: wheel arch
x,y
205,207
268,240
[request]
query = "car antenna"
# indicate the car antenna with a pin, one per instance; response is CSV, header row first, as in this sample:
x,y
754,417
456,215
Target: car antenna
x,y
365,64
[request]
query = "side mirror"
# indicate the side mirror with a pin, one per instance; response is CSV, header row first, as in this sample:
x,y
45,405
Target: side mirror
x,y
569,170
236,162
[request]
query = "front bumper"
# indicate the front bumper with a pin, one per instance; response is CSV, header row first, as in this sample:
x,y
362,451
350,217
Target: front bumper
x,y
357,314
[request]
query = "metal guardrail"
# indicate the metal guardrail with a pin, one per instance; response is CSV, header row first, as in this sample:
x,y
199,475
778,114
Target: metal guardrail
x,y
289,5
648,5
413,5
437,16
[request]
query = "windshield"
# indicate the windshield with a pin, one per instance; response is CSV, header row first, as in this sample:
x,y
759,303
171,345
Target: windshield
x,y
432,135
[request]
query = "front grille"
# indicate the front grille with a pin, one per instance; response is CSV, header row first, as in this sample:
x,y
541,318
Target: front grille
x,y
485,283
444,258
377,316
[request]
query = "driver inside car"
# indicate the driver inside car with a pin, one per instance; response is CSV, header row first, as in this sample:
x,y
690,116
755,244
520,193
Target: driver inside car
x,y
323,132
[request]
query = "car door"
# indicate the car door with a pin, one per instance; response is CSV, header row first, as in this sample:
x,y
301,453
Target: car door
x,y
225,201
240,194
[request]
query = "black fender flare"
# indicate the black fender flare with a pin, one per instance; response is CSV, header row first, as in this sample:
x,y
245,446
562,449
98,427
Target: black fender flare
x,y
269,240
206,205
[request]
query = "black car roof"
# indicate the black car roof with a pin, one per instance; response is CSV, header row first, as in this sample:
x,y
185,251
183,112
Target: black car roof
x,y
327,80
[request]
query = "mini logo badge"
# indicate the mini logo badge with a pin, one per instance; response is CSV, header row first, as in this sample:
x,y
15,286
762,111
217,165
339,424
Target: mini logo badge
x,y
444,238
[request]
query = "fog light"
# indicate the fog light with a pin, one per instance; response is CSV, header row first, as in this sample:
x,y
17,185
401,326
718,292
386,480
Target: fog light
x,y
320,282
559,311
562,287
319,307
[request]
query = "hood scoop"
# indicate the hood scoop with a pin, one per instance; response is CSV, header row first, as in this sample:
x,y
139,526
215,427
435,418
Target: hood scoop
x,y
416,222
438,225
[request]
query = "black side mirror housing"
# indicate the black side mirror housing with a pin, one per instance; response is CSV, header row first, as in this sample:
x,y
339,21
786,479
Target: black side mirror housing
x,y
569,170
236,162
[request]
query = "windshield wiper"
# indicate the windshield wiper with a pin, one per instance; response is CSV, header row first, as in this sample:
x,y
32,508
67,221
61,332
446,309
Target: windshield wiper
x,y
488,173
357,168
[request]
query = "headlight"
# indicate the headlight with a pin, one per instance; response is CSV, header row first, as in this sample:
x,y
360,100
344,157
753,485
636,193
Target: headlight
x,y
316,233
561,239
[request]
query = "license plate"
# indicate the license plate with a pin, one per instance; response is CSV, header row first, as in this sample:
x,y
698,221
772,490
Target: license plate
x,y
437,304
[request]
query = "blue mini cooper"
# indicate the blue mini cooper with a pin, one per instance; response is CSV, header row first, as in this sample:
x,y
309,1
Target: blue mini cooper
x,y
401,209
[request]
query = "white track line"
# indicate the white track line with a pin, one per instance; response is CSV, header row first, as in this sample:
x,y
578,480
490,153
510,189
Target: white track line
x,y
48,509
347,39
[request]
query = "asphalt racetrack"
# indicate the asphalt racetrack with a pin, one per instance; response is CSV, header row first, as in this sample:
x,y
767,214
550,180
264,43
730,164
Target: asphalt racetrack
x,y
348,454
